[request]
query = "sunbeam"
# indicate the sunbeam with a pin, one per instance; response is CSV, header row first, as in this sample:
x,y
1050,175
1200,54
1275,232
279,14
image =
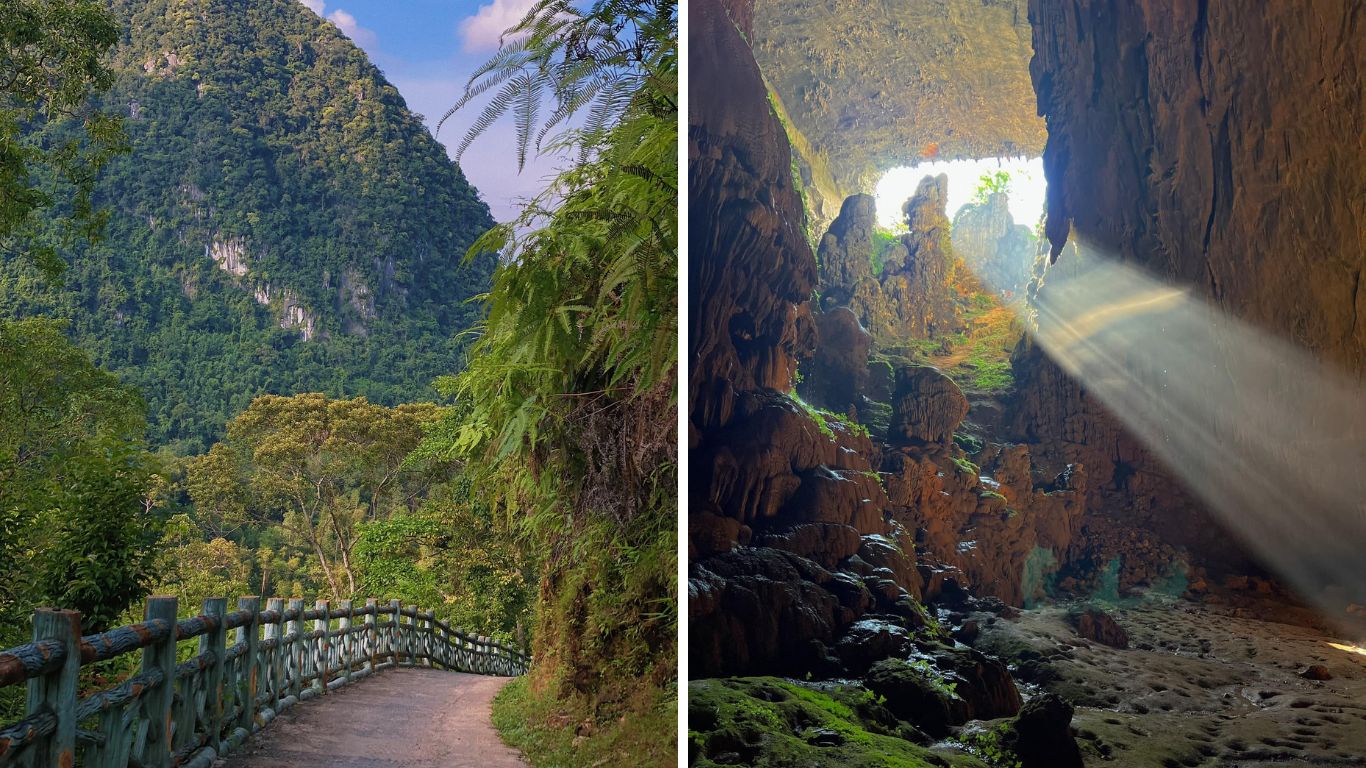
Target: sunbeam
x,y
1270,438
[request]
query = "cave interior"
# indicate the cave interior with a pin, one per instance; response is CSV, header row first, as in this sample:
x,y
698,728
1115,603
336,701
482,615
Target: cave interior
x,y
1027,383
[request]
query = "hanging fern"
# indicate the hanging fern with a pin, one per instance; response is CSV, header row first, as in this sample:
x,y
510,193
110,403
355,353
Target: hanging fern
x,y
564,414
595,60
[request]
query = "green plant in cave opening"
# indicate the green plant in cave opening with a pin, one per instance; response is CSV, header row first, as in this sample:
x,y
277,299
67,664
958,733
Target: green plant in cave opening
x,y
989,184
817,415
883,242
932,675
968,443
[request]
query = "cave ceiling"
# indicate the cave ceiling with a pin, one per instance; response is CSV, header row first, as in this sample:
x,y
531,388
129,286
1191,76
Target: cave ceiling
x,y
874,85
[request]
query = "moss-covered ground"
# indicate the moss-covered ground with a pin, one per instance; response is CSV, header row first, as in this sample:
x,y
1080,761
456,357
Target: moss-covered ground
x,y
769,722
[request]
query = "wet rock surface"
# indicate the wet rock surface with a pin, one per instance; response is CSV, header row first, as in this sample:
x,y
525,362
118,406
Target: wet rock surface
x,y
1197,686
1041,737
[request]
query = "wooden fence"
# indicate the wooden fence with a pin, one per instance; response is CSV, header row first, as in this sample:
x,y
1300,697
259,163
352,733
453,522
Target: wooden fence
x,y
191,712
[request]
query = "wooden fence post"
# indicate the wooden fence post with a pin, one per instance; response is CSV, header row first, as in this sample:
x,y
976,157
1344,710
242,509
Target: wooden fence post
x,y
424,633
412,635
275,629
445,646
159,657
394,637
296,647
344,639
371,635
324,624
248,633
56,691
215,642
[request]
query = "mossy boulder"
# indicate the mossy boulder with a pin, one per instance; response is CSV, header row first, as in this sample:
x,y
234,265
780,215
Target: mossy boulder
x,y
914,695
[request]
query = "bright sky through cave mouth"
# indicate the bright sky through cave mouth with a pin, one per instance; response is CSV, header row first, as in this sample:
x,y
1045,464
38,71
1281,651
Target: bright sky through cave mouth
x,y
1027,186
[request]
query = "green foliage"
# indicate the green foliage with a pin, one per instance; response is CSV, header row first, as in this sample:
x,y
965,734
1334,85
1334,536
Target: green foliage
x,y
529,722
314,470
452,555
988,744
883,242
75,528
968,443
990,184
817,415
595,62
557,414
51,63
268,131
966,467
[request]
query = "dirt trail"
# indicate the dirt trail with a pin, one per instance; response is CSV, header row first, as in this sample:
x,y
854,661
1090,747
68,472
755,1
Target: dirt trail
x,y
405,718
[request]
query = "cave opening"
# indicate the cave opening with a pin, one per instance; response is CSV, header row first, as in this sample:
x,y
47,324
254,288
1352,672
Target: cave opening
x,y
1021,179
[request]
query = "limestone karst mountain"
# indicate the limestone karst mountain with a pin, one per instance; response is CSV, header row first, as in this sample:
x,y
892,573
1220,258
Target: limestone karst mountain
x,y
282,223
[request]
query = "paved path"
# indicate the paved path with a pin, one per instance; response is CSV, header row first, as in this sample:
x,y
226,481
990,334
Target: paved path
x,y
400,718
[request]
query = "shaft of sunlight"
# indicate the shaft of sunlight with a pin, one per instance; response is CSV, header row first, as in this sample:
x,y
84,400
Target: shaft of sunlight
x,y
1271,439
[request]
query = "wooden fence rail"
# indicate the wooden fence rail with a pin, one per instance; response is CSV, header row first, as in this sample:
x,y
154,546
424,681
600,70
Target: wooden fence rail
x,y
191,712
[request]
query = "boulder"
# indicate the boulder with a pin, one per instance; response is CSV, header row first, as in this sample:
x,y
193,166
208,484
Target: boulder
x,y
912,696
1095,624
926,407
869,641
825,544
1041,737
837,375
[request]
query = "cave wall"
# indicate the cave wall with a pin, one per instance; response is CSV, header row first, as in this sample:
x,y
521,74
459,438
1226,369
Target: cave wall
x,y
1222,145
751,268
1217,146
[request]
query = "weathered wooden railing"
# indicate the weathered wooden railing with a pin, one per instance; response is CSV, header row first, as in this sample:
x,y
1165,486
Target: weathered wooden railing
x,y
191,712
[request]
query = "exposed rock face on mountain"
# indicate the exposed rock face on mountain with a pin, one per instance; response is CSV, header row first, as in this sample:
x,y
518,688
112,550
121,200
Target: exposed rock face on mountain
x,y
872,86
996,249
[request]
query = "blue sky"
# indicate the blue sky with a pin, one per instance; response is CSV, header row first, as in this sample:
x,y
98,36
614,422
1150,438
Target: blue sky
x,y
427,49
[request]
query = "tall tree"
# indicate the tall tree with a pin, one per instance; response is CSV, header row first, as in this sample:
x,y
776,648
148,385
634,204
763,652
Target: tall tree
x,y
51,62
317,468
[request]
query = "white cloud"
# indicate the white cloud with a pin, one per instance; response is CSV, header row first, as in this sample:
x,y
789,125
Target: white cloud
x,y
352,28
315,6
482,30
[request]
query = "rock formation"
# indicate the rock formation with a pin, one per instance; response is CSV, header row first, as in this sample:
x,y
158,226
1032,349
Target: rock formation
x,y
915,295
996,249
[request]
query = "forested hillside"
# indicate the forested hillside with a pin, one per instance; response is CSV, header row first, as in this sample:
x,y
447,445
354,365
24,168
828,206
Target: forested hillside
x,y
282,223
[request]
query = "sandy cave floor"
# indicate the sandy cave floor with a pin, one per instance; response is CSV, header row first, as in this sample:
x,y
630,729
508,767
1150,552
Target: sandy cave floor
x,y
1196,687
